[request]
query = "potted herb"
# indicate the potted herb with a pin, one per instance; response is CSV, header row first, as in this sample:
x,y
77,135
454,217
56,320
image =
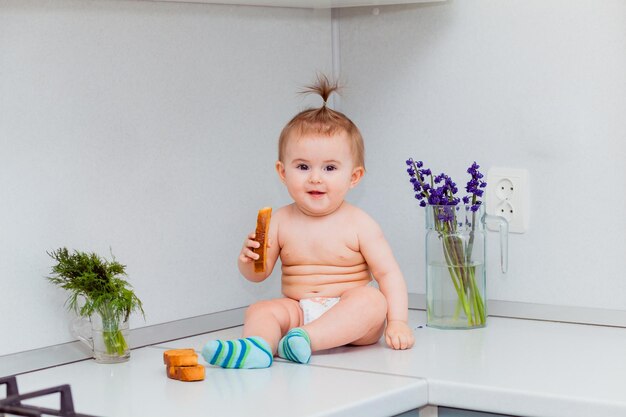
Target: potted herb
x,y
99,293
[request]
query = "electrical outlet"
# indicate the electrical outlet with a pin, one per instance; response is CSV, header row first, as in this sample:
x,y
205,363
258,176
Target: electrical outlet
x,y
508,196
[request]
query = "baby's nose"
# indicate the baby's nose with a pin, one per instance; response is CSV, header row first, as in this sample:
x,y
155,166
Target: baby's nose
x,y
314,178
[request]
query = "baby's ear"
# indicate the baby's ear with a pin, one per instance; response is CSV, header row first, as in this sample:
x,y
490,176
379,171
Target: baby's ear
x,y
357,174
280,169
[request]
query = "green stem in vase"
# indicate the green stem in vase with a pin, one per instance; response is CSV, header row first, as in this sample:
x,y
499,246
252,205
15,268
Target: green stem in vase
x,y
463,278
478,297
114,341
112,336
459,262
456,274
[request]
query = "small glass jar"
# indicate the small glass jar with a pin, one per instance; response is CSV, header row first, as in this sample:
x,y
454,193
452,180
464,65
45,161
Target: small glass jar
x,y
455,265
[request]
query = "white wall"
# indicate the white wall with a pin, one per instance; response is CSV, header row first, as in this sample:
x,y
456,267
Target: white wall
x,y
151,128
147,128
526,84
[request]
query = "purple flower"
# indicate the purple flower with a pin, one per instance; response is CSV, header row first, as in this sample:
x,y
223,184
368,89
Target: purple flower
x,y
475,184
441,190
445,214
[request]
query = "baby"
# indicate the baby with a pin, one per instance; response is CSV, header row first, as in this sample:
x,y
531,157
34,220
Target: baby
x,y
329,250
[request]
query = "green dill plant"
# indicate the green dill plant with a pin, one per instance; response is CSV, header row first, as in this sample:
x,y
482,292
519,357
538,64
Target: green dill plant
x,y
96,285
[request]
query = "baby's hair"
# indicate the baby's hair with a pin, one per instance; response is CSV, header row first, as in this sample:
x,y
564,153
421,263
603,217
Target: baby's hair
x,y
323,87
323,121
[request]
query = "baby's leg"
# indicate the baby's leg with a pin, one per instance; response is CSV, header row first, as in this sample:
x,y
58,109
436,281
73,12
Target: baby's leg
x,y
358,318
265,323
272,319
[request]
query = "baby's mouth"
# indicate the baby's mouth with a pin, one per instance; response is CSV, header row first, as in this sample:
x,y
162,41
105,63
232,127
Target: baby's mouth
x,y
316,193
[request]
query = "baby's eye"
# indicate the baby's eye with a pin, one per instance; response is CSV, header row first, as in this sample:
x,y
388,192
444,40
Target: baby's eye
x,y
302,167
330,168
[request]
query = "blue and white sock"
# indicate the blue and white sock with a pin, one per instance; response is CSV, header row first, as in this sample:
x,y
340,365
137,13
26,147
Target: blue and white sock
x,y
250,352
295,346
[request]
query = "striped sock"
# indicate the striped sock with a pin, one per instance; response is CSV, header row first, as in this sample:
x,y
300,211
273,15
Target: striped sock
x,y
295,346
251,352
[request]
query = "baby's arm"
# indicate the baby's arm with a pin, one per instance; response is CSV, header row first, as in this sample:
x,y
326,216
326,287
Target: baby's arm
x,y
386,271
246,259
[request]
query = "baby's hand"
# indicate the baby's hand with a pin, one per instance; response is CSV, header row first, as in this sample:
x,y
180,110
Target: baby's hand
x,y
399,335
247,254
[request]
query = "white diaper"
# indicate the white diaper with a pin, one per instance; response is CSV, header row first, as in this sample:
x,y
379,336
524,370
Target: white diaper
x,y
314,307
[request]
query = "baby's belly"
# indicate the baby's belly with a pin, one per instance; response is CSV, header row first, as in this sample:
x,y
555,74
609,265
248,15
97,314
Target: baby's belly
x,y
306,281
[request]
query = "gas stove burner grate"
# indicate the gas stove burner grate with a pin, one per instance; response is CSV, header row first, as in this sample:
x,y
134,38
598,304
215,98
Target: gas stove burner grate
x,y
13,406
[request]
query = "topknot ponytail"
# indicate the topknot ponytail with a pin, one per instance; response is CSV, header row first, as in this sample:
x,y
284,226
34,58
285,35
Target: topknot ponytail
x,y
323,121
323,87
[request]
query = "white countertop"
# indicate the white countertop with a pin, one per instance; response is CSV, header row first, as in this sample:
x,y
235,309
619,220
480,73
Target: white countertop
x,y
517,367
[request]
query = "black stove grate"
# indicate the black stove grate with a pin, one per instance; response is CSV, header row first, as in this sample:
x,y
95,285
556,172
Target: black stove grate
x,y
13,406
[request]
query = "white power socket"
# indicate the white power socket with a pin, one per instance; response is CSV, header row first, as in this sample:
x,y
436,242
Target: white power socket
x,y
508,196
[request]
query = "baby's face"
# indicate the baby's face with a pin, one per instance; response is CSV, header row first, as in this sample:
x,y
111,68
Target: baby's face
x,y
318,171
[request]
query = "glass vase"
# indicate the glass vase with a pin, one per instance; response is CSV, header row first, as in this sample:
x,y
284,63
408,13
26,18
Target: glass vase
x,y
456,265
106,334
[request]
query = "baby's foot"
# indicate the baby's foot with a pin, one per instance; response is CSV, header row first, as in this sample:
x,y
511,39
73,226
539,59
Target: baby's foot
x,y
251,352
295,346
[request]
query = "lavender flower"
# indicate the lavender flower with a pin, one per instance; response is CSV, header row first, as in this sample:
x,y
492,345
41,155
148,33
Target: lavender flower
x,y
475,186
441,189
